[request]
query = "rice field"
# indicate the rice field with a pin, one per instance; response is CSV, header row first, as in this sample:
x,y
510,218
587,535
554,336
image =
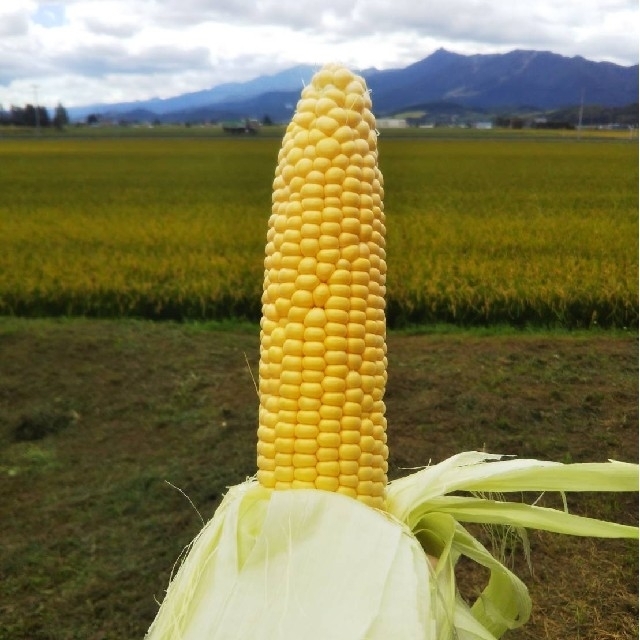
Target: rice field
x,y
518,231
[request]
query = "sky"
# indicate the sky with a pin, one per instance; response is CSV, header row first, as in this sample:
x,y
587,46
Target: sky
x,y
82,52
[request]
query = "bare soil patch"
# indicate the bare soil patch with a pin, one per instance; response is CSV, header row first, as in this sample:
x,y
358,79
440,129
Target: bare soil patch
x,y
96,418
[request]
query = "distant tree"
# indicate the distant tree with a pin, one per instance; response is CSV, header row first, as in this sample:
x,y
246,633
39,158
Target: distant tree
x,y
35,117
92,118
267,121
30,116
44,117
27,116
17,116
61,117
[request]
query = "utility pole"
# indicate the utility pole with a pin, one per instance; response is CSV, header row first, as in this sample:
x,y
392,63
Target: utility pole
x,y
580,114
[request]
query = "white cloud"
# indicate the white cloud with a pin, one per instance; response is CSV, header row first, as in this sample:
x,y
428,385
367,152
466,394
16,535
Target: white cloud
x,y
111,59
295,15
110,27
14,23
111,50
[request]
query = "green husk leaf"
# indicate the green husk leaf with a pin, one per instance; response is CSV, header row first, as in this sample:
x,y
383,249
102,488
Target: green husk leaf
x,y
486,511
476,471
504,603
466,625
437,543
422,502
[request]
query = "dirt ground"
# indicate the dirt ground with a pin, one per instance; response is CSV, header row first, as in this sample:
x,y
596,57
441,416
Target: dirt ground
x,y
98,417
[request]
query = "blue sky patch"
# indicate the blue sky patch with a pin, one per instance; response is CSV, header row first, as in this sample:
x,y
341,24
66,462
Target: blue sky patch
x,y
50,15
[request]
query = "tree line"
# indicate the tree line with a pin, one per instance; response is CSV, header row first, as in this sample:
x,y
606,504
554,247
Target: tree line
x,y
34,116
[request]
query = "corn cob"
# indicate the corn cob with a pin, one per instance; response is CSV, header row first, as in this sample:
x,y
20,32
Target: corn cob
x,y
269,563
322,344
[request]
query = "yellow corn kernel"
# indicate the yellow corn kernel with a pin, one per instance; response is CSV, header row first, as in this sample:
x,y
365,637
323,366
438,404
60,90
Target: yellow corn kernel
x,y
313,363
286,445
333,384
365,473
309,404
283,459
266,449
365,487
352,406
284,428
283,474
301,460
350,437
327,461
300,484
349,467
330,440
348,481
305,445
313,349
346,451
327,482
308,417
266,478
306,431
329,412
335,357
266,464
334,399
311,390
305,474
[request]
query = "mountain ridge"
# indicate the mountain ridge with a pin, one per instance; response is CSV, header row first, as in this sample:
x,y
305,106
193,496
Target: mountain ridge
x,y
541,79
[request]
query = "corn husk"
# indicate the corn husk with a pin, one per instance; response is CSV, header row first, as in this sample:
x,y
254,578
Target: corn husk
x,y
314,564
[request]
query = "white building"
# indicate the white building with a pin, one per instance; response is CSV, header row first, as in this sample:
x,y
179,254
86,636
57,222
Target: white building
x,y
391,123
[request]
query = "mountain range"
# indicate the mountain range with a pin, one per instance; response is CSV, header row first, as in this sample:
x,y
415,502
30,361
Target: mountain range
x,y
535,80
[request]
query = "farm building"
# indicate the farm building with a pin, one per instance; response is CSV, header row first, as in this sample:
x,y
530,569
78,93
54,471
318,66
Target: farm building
x,y
391,123
241,126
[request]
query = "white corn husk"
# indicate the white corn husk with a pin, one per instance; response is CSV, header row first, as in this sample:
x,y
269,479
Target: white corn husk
x,y
317,565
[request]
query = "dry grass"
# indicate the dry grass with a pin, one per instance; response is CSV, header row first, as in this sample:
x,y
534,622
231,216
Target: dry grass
x,y
479,231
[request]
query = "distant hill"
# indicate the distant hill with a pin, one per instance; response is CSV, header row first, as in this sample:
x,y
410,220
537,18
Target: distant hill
x,y
292,79
487,83
541,80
